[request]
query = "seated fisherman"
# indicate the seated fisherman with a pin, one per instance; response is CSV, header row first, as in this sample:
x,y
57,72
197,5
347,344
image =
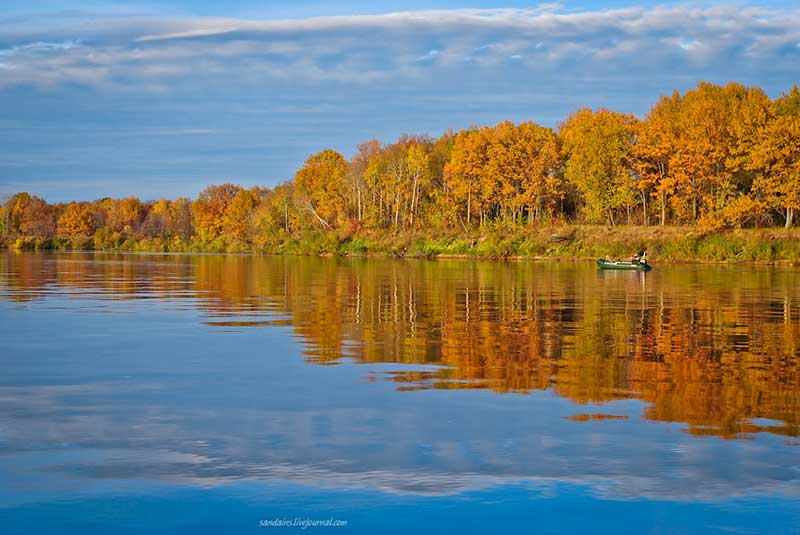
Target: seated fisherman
x,y
640,257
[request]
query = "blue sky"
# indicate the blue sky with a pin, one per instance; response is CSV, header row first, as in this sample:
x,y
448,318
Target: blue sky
x,y
159,99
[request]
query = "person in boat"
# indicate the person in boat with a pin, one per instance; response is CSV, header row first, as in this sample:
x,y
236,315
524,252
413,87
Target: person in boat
x,y
639,258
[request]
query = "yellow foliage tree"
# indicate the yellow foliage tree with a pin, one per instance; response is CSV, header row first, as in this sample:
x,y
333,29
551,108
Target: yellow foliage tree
x,y
236,222
776,157
788,103
655,146
598,150
465,172
717,125
318,187
210,207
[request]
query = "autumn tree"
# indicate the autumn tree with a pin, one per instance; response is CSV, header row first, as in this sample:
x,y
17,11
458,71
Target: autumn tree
x,y
400,174
693,151
788,103
464,174
276,216
379,177
14,208
598,151
29,216
776,158
123,215
398,182
716,126
357,182
523,167
440,153
76,220
236,221
158,221
210,208
656,145
419,172
393,182
318,188
38,220
181,218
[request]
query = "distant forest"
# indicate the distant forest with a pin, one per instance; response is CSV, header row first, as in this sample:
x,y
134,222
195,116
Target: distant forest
x,y
715,157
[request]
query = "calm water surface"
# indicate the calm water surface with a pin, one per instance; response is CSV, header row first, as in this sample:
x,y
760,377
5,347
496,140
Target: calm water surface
x,y
206,394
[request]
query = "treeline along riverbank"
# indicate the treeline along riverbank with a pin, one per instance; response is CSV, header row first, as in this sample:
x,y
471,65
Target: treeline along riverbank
x,y
707,175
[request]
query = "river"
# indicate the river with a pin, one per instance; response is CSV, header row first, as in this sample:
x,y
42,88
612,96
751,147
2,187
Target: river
x,y
147,393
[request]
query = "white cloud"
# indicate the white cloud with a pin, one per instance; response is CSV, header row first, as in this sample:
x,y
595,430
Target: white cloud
x,y
689,45
432,54
39,47
118,53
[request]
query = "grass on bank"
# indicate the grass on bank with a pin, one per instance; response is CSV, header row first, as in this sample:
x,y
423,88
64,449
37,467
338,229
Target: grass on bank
x,y
579,241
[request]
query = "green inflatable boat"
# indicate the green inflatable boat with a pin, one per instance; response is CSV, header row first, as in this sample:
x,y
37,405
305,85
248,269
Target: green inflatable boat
x,y
641,265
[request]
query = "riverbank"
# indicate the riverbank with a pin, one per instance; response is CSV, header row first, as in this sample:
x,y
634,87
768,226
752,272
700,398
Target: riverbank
x,y
665,244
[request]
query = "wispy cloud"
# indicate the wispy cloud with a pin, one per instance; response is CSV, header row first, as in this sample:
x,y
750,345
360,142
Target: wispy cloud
x,y
149,52
40,47
429,56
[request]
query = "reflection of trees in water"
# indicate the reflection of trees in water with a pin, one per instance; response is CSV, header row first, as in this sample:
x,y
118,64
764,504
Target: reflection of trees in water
x,y
711,348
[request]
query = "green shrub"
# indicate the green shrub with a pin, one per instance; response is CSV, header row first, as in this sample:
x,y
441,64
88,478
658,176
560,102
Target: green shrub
x,y
787,249
681,249
720,247
758,250
357,246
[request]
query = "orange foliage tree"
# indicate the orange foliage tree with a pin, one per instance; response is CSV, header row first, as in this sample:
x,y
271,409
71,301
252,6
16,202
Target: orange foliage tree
x,y
76,220
210,209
